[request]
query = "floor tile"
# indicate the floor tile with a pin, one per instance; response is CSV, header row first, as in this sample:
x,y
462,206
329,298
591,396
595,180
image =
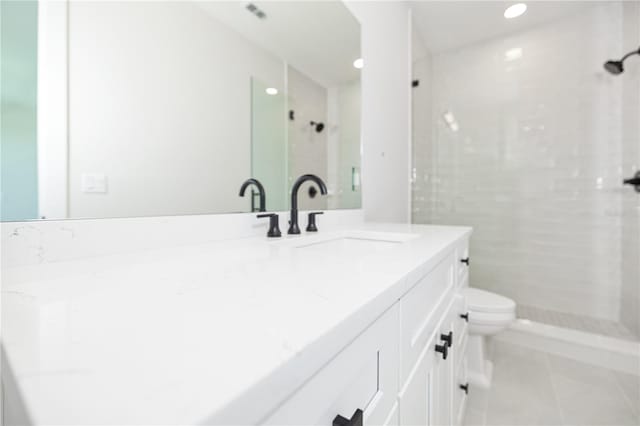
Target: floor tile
x,y
630,385
586,404
522,391
535,388
473,417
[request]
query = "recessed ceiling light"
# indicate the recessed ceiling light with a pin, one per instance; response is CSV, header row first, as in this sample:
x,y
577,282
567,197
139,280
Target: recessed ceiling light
x,y
358,63
515,10
271,91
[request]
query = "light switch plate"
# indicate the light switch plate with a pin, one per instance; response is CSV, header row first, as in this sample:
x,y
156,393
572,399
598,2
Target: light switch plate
x,y
94,183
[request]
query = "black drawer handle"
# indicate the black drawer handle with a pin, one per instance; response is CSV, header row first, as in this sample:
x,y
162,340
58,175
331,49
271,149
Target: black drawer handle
x,y
447,338
443,349
465,388
465,317
356,419
465,261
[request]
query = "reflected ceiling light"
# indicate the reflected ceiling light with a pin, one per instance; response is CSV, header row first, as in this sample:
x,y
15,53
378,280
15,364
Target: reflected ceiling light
x,y
271,91
513,54
358,63
515,10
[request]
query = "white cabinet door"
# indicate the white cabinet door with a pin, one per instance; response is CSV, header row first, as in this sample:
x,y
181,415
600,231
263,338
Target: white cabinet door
x,y
360,382
427,397
441,389
414,398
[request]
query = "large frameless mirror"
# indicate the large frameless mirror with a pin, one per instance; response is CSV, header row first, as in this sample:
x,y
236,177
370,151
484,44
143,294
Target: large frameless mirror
x,y
124,109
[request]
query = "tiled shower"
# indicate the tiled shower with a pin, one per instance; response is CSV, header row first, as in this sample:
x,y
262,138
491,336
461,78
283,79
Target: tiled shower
x,y
526,138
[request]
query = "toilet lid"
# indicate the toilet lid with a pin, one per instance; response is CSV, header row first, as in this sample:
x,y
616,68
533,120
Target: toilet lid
x,y
484,301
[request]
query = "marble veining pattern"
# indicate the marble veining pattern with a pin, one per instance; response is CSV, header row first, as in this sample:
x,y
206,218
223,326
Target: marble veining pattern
x,y
144,337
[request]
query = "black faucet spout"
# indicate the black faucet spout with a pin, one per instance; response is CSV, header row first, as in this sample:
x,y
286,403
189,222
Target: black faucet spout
x,y
257,184
293,222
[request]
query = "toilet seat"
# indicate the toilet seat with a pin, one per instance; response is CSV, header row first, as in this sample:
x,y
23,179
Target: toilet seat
x,y
493,319
484,301
487,308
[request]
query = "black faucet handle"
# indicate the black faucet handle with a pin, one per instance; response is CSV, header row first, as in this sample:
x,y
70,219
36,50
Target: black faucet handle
x,y
311,227
274,224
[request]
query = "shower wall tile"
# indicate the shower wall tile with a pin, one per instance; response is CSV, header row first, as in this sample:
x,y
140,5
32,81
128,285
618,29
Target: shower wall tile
x,y
534,164
422,128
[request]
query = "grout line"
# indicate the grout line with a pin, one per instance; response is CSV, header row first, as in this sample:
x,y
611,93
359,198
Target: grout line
x,y
553,389
626,397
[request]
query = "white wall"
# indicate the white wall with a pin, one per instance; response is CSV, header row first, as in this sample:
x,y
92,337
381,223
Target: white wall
x,y
159,102
630,307
535,165
386,117
52,132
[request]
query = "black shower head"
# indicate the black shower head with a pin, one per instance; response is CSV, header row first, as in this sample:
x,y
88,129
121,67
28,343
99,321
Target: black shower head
x,y
616,67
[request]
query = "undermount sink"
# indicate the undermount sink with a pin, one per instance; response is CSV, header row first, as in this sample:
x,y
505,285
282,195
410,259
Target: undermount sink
x,y
359,241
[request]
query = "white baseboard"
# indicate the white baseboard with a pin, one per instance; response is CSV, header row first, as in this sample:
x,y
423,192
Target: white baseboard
x,y
616,354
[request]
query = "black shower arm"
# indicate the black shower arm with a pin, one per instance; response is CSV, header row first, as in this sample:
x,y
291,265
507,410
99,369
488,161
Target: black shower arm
x,y
633,52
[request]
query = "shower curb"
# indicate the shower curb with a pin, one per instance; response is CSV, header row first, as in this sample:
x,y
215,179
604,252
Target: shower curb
x,y
602,351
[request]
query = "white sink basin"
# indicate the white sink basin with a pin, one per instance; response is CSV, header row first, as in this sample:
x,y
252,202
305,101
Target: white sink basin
x,y
358,241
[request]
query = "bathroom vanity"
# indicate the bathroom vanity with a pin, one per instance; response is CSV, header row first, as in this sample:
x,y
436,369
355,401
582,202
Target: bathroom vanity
x,y
357,325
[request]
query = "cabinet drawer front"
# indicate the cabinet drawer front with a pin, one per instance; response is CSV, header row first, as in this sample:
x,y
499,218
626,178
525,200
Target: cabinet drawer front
x,y
421,310
362,376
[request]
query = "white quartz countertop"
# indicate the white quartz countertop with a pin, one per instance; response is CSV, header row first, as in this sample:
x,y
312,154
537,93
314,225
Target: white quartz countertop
x,y
186,335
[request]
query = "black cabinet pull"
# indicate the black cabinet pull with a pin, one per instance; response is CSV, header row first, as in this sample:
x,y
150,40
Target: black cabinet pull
x,y
465,317
447,338
465,388
443,349
355,420
465,261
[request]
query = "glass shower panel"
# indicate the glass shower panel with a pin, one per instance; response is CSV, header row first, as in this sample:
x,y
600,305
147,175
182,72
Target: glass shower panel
x,y
268,146
523,137
19,152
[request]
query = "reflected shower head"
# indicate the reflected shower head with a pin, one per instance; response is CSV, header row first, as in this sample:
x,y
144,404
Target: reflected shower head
x,y
318,126
616,67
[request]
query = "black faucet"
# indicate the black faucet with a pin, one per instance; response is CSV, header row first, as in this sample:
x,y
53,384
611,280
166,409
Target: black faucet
x,y
293,222
256,182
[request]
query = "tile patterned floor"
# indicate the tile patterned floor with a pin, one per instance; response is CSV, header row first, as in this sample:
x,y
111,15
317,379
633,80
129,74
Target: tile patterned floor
x,y
536,388
576,322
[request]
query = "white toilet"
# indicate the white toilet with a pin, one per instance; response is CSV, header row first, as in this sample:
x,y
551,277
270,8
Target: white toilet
x,y
489,313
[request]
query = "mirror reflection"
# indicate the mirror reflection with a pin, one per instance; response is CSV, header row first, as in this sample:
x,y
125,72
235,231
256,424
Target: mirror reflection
x,y
124,109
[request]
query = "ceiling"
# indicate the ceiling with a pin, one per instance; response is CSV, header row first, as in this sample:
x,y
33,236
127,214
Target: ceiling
x,y
319,38
445,25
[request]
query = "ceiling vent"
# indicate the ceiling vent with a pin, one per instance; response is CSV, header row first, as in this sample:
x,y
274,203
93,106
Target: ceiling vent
x,y
256,11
